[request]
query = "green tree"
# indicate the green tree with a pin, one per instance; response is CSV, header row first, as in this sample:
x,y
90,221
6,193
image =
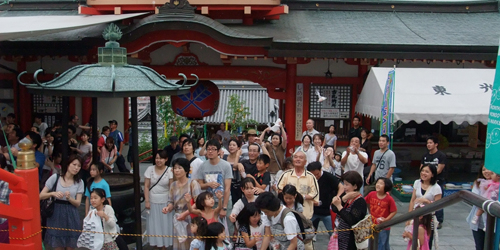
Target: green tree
x,y
237,114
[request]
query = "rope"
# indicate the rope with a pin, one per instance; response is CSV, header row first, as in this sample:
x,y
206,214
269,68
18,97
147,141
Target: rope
x,y
371,227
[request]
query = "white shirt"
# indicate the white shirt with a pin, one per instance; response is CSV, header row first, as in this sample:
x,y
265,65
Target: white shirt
x,y
353,163
429,194
195,165
290,223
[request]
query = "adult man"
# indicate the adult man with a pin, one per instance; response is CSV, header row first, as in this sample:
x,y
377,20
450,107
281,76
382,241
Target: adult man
x,y
353,159
437,159
130,154
172,148
14,135
11,118
384,163
179,154
329,187
355,131
215,174
226,136
250,165
303,180
119,142
251,138
310,129
42,126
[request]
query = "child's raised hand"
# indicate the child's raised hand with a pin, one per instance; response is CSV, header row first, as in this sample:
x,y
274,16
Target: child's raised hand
x,y
188,197
219,194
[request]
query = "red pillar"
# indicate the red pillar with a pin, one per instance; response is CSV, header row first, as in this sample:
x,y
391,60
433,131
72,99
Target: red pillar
x,y
291,91
86,109
26,102
72,106
125,117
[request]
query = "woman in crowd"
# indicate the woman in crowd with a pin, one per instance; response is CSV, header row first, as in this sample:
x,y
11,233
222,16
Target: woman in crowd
x,y
188,151
157,181
233,158
350,209
102,139
478,227
331,138
277,150
68,194
425,191
109,154
179,205
307,148
4,199
199,145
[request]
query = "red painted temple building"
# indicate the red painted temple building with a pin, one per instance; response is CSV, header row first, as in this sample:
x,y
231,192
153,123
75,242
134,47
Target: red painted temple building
x,y
290,48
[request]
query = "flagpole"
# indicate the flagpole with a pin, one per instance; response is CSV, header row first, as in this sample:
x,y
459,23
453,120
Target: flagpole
x,y
391,114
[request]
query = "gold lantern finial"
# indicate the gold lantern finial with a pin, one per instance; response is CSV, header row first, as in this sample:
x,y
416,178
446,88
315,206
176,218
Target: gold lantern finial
x,y
26,157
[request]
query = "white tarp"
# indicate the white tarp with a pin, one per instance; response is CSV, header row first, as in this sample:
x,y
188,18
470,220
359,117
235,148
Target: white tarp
x,y
16,27
431,94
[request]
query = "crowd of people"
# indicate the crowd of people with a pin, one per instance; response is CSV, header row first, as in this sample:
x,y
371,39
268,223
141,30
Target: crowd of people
x,y
248,188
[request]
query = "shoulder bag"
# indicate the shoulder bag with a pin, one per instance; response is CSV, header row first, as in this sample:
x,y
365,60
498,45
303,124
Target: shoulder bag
x,y
47,205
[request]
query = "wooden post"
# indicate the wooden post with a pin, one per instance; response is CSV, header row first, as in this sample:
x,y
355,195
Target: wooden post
x,y
137,176
291,73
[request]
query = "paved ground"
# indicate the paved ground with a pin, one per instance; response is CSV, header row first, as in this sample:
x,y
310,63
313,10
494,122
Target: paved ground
x,y
455,234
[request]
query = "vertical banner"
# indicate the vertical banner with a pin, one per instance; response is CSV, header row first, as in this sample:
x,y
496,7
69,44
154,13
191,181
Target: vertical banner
x,y
492,157
386,113
299,109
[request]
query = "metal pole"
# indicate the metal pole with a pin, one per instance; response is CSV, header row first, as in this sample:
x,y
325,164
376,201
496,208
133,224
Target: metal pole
x,y
137,177
490,233
154,126
374,242
95,133
414,241
65,120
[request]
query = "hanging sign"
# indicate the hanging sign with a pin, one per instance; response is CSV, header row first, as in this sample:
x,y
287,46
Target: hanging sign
x,y
299,98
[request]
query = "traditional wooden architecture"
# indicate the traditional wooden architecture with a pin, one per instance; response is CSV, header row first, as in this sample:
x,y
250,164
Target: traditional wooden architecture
x,y
291,48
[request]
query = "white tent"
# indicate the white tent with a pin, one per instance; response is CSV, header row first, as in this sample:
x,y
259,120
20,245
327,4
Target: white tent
x,y
431,94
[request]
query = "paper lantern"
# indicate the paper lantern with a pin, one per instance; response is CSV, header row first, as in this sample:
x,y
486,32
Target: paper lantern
x,y
201,101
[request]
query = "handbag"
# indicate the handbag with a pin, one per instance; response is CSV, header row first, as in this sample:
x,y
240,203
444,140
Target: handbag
x,y
362,231
91,237
47,205
334,242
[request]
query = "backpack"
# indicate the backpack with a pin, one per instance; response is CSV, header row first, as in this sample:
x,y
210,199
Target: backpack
x,y
306,226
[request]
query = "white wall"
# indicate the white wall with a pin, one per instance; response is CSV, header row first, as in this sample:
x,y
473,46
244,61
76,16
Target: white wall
x,y
110,109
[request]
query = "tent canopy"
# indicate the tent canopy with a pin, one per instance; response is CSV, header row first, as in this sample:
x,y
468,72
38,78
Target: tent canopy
x,y
425,94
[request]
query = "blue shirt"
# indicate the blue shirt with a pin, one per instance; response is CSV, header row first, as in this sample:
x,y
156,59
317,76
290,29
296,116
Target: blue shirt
x,y
118,137
40,159
103,184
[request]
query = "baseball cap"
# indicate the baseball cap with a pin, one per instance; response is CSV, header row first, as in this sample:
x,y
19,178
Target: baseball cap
x,y
113,122
252,132
174,138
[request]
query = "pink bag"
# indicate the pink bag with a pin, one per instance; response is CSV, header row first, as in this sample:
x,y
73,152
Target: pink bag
x,y
334,242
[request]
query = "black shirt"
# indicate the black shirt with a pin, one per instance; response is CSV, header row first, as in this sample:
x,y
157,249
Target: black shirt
x,y
250,168
435,159
328,188
355,132
171,152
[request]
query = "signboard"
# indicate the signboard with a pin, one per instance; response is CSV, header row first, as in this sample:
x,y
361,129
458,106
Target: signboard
x,y
337,104
299,109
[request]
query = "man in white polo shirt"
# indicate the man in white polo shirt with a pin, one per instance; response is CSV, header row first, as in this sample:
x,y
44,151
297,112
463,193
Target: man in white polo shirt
x,y
353,159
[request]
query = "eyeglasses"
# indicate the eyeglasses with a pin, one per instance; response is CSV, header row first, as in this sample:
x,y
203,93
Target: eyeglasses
x,y
211,149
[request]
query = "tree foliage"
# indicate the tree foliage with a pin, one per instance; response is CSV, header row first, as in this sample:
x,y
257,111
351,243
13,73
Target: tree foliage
x,y
237,114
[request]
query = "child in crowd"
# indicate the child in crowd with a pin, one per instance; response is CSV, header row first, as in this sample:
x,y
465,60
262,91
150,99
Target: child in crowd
x,y
252,228
216,229
382,208
288,164
204,206
338,166
248,188
107,214
262,177
482,183
199,229
291,198
96,181
424,231
492,189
